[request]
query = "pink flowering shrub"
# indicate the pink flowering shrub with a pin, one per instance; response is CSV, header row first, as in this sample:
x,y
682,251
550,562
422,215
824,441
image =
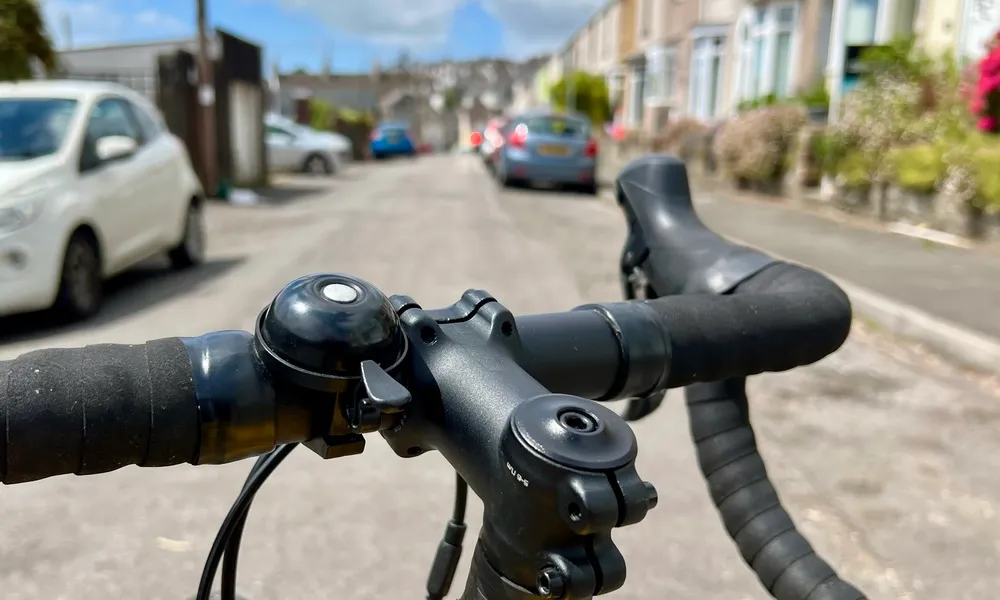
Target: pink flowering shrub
x,y
756,145
985,103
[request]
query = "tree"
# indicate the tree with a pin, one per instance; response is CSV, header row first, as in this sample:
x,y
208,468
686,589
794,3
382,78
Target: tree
x,y
584,93
453,98
23,39
321,115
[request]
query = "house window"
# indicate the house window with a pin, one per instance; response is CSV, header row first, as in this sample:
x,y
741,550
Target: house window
x,y
766,54
661,69
615,84
706,77
636,105
859,26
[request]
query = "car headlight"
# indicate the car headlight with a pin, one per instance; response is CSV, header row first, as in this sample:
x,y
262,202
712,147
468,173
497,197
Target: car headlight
x,y
23,206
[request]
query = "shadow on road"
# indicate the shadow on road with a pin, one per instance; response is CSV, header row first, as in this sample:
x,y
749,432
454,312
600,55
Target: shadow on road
x,y
143,287
291,192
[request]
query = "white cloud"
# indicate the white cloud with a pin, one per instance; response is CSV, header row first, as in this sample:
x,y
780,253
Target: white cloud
x,y
411,23
161,22
530,26
92,22
535,26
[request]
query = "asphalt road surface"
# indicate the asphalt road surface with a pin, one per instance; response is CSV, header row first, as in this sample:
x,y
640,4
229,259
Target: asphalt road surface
x,y
889,461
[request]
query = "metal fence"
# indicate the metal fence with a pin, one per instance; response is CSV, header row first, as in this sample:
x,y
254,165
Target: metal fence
x,y
143,81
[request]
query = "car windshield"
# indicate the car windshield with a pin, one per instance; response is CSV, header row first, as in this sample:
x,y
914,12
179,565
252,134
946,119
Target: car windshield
x,y
33,127
393,131
567,127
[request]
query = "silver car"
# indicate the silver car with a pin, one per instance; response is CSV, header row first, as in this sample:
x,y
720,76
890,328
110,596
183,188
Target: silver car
x,y
548,147
294,147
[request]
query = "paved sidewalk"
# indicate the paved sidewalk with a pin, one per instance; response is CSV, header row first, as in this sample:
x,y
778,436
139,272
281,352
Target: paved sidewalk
x,y
959,285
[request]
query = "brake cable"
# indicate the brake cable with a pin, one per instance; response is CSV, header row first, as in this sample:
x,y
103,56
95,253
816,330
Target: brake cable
x,y
227,541
226,547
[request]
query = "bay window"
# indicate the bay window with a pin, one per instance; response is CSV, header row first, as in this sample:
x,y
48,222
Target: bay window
x,y
706,76
766,53
637,95
661,74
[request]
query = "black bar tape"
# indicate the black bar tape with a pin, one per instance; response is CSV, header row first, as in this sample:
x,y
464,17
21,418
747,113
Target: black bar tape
x,y
96,409
751,511
783,317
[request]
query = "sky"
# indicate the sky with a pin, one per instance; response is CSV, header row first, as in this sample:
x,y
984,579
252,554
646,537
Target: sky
x,y
351,33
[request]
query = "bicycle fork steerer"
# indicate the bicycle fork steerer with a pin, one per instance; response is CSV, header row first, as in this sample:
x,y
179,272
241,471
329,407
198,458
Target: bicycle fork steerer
x,y
555,472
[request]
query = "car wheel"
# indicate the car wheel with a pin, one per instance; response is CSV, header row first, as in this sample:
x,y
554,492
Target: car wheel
x,y
505,180
191,250
317,164
81,284
589,189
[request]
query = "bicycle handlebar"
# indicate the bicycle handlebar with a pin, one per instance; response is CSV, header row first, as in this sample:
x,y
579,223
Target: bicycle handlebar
x,y
508,402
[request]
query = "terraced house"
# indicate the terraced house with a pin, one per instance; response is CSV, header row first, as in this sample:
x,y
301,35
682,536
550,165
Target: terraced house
x,y
666,59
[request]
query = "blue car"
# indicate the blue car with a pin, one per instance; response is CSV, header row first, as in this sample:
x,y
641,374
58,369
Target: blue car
x,y
549,147
392,139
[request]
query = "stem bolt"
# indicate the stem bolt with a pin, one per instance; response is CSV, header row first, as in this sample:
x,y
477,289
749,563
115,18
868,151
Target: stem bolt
x,y
551,583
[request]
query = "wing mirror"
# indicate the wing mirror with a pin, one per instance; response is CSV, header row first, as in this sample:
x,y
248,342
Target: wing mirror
x,y
114,147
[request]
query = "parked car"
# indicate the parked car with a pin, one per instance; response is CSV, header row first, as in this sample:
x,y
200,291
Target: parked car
x,y
91,183
492,140
297,148
392,139
543,146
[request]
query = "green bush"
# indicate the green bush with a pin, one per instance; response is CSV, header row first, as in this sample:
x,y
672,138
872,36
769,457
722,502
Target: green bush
x,y
321,115
354,116
816,97
854,170
919,168
987,174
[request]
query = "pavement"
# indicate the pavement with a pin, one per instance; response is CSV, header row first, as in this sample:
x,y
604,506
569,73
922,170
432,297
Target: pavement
x,y
886,459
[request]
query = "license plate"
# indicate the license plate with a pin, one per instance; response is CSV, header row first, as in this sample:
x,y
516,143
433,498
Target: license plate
x,y
553,150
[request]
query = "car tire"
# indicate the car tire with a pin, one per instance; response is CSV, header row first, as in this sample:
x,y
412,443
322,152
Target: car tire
x,y
191,250
506,181
317,164
81,282
589,189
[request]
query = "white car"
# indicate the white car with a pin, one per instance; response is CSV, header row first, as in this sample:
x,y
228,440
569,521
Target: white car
x,y
294,147
91,183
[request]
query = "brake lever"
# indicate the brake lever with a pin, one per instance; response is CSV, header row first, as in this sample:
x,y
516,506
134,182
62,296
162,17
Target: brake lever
x,y
633,282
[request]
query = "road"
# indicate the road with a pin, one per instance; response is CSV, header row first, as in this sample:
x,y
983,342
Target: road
x,y
887,460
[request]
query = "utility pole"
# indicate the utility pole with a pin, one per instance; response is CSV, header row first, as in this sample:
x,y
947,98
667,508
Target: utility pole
x,y
206,103
67,31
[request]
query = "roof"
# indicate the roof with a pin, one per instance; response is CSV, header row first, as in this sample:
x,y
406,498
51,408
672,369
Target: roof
x,y
62,88
124,58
